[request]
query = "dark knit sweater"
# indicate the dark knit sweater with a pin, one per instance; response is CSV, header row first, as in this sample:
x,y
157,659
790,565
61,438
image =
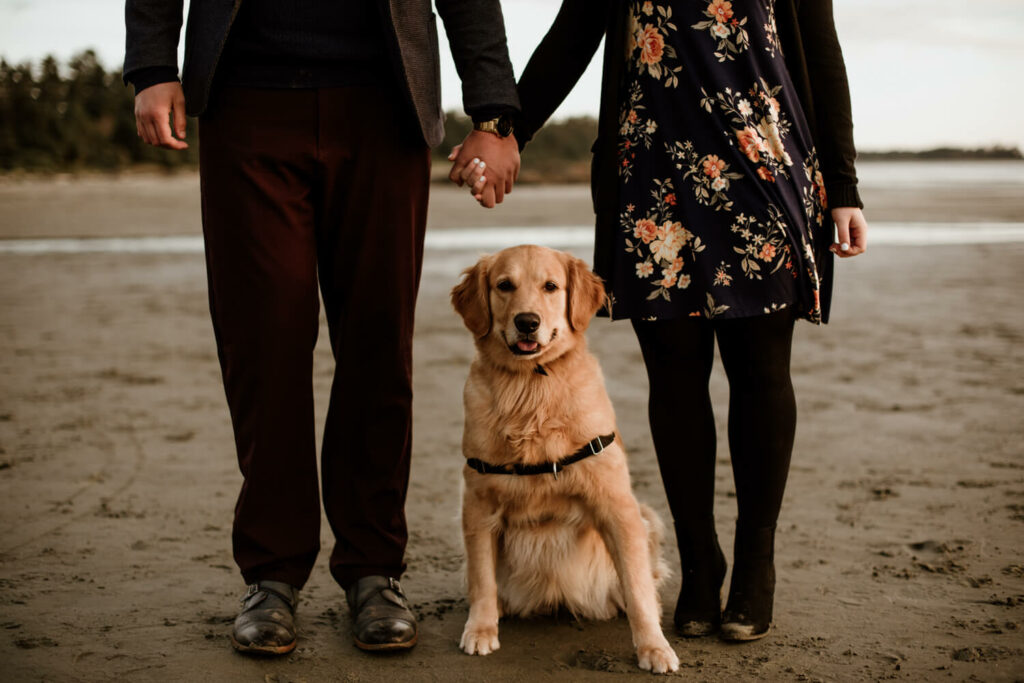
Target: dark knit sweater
x,y
300,44
305,44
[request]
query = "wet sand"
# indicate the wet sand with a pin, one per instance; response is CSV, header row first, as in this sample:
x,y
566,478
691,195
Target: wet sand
x,y
901,545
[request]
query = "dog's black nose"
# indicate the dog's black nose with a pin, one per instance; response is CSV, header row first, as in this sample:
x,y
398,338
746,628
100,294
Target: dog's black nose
x,y
527,322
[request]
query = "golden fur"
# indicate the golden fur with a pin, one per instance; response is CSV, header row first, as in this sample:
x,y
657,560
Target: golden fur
x,y
536,543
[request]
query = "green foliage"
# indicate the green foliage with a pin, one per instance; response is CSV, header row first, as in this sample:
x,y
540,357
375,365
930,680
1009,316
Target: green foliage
x,y
81,117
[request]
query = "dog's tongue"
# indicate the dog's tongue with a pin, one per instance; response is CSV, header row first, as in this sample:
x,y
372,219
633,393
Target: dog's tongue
x,y
527,345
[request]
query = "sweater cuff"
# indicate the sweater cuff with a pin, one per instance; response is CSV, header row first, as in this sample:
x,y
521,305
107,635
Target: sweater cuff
x,y
843,195
151,75
490,112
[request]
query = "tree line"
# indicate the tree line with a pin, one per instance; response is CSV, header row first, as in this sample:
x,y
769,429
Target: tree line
x,y
81,117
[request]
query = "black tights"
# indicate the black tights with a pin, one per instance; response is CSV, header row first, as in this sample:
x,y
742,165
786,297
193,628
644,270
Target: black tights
x,y
762,413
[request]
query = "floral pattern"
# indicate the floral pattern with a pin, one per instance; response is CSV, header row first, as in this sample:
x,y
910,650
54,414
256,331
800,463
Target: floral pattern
x,y
647,48
758,124
661,245
771,33
764,244
722,200
814,196
709,174
728,30
634,131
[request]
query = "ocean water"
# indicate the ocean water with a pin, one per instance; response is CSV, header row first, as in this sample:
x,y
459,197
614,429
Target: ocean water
x,y
952,174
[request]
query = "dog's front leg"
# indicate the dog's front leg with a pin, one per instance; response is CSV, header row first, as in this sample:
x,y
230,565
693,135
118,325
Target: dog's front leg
x,y
624,533
480,636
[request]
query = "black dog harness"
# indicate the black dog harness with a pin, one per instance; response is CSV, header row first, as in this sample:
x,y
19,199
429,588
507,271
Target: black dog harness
x,y
592,448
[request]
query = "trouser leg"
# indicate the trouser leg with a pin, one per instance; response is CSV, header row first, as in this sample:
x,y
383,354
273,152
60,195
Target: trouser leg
x,y
370,235
258,224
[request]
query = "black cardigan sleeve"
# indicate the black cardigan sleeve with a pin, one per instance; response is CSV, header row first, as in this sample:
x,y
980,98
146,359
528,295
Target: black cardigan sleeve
x,y
558,62
830,90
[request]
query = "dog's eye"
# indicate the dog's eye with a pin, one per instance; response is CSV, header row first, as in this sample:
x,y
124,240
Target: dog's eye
x,y
505,286
550,287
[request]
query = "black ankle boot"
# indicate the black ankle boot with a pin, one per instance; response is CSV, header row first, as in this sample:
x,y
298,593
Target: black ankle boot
x,y
699,609
748,613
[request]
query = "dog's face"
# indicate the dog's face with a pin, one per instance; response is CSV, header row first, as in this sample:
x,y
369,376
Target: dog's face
x,y
527,304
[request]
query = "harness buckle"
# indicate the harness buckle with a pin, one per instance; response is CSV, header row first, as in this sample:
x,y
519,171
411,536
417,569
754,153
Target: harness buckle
x,y
554,470
593,451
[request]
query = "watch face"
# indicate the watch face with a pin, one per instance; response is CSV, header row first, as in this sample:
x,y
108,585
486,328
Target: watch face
x,y
504,126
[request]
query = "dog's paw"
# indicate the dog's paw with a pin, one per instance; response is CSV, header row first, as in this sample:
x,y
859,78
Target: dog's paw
x,y
479,639
658,658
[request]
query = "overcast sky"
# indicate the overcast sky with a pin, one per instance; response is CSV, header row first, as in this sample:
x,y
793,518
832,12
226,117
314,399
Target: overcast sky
x,y
922,72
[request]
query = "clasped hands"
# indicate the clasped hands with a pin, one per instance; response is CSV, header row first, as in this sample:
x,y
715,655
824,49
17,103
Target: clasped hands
x,y
487,164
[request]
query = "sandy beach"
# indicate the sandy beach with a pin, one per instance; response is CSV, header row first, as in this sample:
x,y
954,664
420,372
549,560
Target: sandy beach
x,y
900,550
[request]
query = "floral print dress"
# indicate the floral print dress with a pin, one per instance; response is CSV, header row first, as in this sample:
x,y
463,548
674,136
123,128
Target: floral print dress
x,y
722,203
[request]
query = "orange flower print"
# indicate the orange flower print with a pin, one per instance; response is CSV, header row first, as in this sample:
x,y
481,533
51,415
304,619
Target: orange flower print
x,y
819,182
632,116
651,44
722,277
751,143
676,266
773,141
713,166
721,10
670,239
670,199
668,279
647,9
644,269
683,282
767,252
645,230
765,174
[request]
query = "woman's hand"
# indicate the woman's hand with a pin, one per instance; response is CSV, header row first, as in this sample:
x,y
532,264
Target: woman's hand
x,y
487,164
852,231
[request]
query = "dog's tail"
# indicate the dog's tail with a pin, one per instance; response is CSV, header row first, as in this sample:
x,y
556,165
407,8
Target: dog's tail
x,y
655,535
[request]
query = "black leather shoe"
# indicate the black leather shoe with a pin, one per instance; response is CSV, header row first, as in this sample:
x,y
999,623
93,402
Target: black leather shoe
x,y
748,613
699,608
266,624
381,615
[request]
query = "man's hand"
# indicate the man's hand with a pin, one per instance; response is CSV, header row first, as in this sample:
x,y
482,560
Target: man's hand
x,y
154,107
852,232
488,163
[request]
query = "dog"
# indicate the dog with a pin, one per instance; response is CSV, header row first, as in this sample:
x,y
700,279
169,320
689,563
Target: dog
x,y
548,514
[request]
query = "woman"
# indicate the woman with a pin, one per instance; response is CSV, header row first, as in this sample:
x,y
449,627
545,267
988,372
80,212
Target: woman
x,y
725,132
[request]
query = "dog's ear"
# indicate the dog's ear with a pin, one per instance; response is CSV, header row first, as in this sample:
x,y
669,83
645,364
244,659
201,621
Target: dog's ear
x,y
471,298
585,295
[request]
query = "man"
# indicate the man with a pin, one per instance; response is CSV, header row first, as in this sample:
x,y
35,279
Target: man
x,y
315,122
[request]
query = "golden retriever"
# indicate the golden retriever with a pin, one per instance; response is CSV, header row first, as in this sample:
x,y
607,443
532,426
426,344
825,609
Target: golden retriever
x,y
573,538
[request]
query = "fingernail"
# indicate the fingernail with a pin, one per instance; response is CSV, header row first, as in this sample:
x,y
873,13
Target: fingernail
x,y
451,157
475,160
481,179
482,164
844,246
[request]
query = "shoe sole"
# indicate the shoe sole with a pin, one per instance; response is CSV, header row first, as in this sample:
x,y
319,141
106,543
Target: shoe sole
x,y
696,629
263,650
741,633
386,647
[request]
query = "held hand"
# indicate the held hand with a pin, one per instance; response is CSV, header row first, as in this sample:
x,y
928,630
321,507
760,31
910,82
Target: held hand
x,y
499,168
153,108
852,230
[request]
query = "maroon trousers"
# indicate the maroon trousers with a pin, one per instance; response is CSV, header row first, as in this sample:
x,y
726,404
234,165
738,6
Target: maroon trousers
x,y
300,186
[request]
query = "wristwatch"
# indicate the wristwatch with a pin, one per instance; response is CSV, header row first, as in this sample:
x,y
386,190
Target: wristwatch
x,y
501,126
